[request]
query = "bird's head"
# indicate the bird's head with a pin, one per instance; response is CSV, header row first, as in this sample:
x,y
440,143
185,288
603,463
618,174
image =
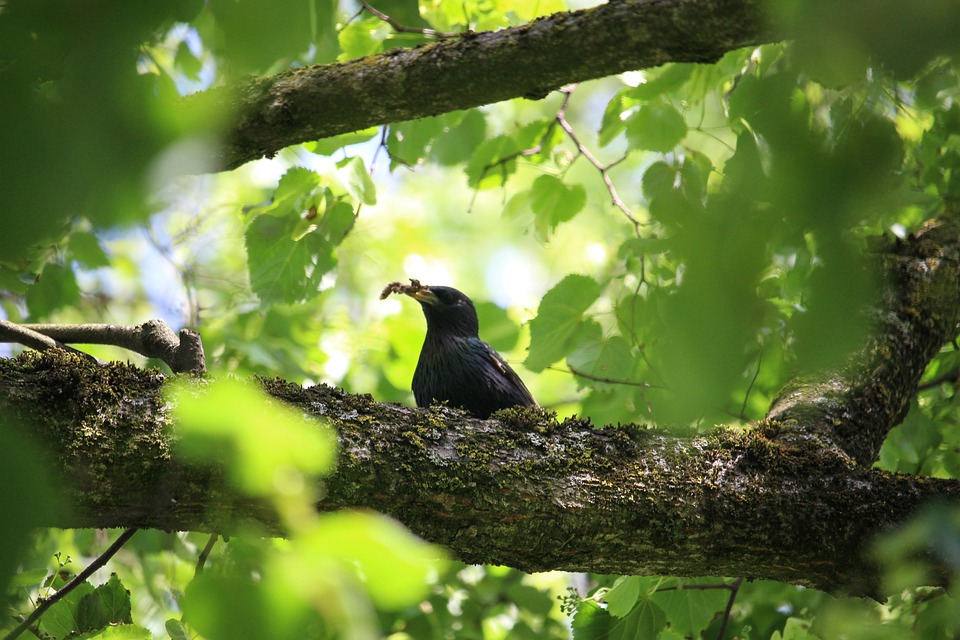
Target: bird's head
x,y
448,311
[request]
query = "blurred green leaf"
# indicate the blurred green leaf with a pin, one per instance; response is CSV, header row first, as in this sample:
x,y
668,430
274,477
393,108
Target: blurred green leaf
x,y
496,327
363,37
492,162
394,565
358,182
460,138
257,438
604,360
55,288
245,614
254,36
329,146
655,127
187,63
558,317
554,202
86,249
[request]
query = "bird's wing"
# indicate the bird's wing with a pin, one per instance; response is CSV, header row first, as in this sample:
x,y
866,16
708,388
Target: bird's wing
x,y
513,380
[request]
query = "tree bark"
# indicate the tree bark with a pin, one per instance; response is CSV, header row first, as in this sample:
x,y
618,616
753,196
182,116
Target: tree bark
x,y
476,68
792,500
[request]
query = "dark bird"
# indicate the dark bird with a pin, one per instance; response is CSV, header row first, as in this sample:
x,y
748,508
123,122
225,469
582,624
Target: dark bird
x,y
455,365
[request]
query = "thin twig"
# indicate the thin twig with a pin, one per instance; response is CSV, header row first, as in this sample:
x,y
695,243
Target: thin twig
x,y
628,383
403,28
604,169
950,376
202,558
734,590
756,374
79,579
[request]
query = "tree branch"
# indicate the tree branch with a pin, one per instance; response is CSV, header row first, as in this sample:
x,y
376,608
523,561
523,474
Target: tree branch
x,y
790,500
182,352
531,60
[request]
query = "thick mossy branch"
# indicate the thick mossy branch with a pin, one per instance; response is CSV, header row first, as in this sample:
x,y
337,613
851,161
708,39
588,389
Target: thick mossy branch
x,y
531,60
855,408
791,500
521,490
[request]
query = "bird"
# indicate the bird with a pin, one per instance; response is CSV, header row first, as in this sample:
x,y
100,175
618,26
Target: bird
x,y
455,365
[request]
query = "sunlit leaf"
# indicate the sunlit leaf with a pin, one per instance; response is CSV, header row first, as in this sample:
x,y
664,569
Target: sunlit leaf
x,y
393,564
357,180
254,436
329,146
554,201
558,317
623,595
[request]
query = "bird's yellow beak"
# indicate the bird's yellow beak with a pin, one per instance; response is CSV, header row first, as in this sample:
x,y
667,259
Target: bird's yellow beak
x,y
424,295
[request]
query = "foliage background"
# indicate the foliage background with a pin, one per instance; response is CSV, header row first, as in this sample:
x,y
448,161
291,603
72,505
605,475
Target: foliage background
x,y
743,194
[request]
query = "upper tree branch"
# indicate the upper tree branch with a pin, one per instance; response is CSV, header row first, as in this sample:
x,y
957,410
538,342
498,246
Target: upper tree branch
x,y
476,69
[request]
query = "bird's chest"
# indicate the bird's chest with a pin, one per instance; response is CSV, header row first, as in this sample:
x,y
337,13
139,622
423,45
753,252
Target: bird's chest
x,y
453,370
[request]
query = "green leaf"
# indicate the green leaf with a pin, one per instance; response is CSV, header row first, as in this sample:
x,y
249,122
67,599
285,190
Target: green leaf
x,y
284,269
601,358
622,596
656,127
492,163
646,620
410,141
394,563
290,250
558,317
256,436
458,142
86,249
795,629
117,632
554,202
659,179
56,287
109,603
357,181
28,578
497,328
227,606
176,630
612,124
329,146
591,622
61,618
663,81
691,610
362,38
187,63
